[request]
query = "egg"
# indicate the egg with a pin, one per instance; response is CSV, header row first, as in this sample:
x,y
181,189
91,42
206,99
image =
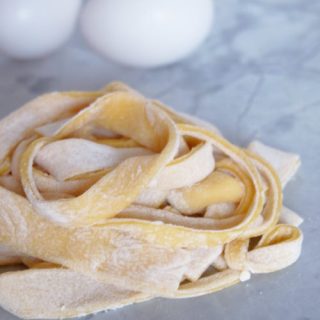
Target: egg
x,y
146,33
34,28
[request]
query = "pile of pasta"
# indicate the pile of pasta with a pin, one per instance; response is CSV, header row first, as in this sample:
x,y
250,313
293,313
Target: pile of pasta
x,y
109,198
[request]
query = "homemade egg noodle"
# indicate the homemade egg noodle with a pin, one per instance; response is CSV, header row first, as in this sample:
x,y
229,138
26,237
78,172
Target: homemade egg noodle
x,y
109,198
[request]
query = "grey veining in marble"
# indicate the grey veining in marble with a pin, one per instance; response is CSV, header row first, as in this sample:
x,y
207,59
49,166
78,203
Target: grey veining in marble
x,y
257,76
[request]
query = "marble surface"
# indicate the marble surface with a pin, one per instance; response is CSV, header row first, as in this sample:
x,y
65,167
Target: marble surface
x,y
257,76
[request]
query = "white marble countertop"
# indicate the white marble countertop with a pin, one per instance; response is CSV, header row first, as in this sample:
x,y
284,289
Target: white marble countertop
x,y
257,76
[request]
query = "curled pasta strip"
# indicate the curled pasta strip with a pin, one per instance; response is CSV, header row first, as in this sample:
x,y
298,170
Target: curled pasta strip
x,y
279,247
118,196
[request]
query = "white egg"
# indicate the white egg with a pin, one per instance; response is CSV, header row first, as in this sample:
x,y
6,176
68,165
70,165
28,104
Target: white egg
x,y
34,28
146,33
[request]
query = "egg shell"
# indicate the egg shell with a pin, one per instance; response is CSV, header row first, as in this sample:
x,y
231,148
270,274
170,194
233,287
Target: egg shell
x,y
146,33
33,28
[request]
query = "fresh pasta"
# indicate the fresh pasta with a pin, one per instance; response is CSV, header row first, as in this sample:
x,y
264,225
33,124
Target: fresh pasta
x,y
109,198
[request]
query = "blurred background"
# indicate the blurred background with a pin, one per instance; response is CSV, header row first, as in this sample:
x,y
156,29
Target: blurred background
x,y
252,68
257,53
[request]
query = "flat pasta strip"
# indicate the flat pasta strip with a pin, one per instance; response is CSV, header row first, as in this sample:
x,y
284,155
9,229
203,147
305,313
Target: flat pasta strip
x,y
173,176
5,166
276,250
8,256
290,217
11,183
69,158
218,187
286,164
20,123
220,210
201,259
50,129
209,284
60,293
